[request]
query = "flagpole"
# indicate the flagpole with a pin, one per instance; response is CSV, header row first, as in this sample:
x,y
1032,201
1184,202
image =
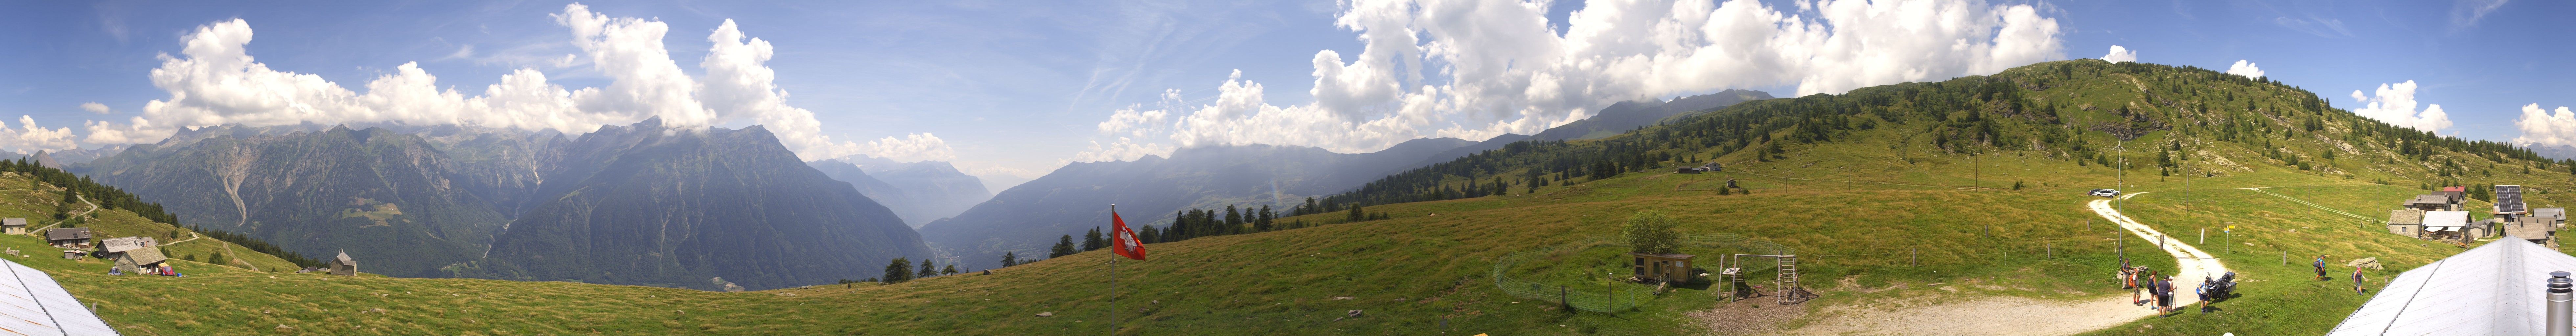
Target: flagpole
x,y
1113,279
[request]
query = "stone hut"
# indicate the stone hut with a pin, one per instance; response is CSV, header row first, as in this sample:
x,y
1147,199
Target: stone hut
x,y
132,254
2408,222
342,265
15,226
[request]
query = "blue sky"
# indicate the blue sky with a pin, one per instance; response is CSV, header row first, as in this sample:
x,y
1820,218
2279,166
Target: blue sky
x,y
1010,90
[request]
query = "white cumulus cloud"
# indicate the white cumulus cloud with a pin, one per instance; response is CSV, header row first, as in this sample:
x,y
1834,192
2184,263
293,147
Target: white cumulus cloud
x,y
909,148
28,137
2244,68
95,107
2395,104
2120,54
2544,128
1476,69
214,80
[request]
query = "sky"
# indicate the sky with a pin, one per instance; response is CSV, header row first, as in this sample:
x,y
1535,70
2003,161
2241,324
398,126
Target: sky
x,y
1010,90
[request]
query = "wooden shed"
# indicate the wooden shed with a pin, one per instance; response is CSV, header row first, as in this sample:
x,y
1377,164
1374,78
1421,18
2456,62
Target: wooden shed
x,y
1661,267
15,226
342,265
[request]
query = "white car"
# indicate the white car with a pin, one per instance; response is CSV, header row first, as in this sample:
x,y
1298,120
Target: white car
x,y
2105,192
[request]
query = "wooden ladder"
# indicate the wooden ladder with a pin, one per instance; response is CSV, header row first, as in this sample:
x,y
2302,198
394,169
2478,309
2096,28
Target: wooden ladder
x,y
1790,292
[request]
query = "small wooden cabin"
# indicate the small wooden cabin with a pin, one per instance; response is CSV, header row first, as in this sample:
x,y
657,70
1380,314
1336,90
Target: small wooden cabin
x,y
342,265
1661,267
15,226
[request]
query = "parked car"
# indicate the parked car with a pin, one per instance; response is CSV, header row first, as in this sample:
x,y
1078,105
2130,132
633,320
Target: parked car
x,y
2105,192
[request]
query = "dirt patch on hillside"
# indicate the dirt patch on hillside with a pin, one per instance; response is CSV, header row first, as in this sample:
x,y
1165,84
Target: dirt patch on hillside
x,y
1757,316
1986,316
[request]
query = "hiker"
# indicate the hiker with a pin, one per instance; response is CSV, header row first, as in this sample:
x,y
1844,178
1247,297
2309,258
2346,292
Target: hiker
x,y
2320,264
2130,278
2202,292
2168,287
2356,280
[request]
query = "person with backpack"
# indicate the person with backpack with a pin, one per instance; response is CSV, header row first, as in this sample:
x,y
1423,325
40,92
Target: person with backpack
x,y
2320,264
2202,293
2356,281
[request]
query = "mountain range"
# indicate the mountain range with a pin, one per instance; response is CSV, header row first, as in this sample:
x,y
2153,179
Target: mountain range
x,y
1028,218
917,191
642,204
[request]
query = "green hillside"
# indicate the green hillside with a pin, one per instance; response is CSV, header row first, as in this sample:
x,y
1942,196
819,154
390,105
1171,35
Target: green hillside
x,y
1876,189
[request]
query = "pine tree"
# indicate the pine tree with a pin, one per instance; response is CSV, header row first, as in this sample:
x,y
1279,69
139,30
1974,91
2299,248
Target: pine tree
x,y
927,270
1091,240
897,271
1233,221
1262,222
1355,215
1063,247
951,269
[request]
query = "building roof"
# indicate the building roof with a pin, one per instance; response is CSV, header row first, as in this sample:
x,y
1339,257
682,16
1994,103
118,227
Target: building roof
x,y
2456,189
2535,227
67,234
13,222
2429,200
2446,218
2406,217
146,256
344,259
2552,213
122,244
31,303
2490,290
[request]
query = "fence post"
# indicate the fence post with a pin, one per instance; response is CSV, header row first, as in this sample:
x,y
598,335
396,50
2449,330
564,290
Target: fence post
x,y
1914,258
2050,248
1561,298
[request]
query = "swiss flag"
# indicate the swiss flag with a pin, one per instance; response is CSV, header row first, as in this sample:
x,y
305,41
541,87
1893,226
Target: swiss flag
x,y
1122,240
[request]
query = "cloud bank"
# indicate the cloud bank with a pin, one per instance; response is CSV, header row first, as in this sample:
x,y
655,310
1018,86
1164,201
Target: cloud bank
x,y
1476,69
2543,128
2395,104
2247,69
2120,54
214,81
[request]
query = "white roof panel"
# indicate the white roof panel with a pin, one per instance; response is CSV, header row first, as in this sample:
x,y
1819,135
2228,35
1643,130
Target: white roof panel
x,y
2446,218
2494,289
31,303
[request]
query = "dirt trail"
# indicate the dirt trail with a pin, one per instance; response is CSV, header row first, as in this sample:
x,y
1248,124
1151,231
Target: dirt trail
x,y
2024,316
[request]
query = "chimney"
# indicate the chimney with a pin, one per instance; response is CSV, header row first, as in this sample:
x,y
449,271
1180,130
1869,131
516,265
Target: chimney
x,y
2562,299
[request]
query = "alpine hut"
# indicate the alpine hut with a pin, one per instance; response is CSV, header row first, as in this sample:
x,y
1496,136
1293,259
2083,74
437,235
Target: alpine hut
x,y
133,254
67,237
342,265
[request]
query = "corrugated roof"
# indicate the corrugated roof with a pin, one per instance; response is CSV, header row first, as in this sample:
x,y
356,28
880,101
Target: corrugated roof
x,y
2446,218
2408,216
32,304
2490,290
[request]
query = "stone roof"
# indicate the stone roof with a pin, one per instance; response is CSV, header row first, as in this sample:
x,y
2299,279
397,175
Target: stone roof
x,y
2429,200
13,222
2551,213
2534,227
67,234
122,244
344,259
2406,217
146,256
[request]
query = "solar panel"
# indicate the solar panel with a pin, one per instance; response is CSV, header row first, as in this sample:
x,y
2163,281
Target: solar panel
x,y
2508,199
